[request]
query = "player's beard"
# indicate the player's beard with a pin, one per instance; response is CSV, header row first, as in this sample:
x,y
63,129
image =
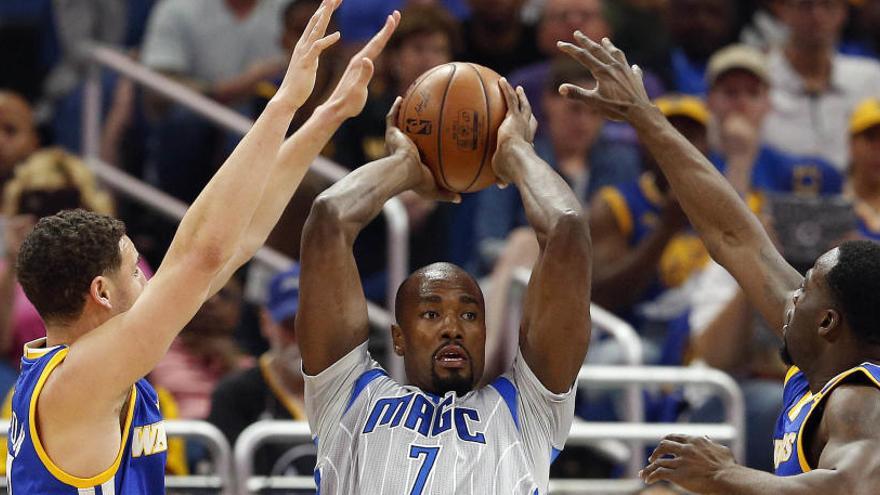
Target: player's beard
x,y
784,353
458,381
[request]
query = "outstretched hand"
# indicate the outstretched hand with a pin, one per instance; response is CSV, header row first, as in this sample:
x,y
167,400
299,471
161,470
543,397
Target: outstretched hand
x,y
397,143
693,463
518,126
299,80
619,86
350,95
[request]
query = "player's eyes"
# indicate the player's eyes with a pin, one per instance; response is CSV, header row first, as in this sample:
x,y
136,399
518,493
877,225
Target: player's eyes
x,y
430,315
469,316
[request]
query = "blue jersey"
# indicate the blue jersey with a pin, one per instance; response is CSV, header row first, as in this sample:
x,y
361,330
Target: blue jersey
x,y
799,404
775,171
140,464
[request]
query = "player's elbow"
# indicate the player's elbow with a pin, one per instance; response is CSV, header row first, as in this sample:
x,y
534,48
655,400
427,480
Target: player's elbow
x,y
571,229
325,220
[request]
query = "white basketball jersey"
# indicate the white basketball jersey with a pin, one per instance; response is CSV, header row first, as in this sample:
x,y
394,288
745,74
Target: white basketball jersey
x,y
376,436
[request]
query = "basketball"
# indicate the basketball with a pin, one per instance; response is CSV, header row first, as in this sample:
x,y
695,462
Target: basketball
x,y
452,113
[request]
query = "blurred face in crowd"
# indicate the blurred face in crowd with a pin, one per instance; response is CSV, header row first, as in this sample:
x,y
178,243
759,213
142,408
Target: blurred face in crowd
x,y
220,314
18,137
295,21
700,27
498,14
573,125
813,24
739,92
561,18
869,18
417,54
865,151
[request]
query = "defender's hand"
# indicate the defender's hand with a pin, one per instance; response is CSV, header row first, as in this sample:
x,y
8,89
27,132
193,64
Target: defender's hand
x,y
420,177
518,127
350,95
619,87
693,463
299,81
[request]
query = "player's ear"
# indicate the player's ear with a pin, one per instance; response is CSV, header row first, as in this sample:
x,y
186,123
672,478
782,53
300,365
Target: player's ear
x,y
829,325
99,291
399,342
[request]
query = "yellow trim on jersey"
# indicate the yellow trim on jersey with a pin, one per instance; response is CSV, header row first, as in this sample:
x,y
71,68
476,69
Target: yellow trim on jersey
x,y
57,472
755,201
36,349
648,185
796,409
296,411
622,214
827,389
6,414
790,373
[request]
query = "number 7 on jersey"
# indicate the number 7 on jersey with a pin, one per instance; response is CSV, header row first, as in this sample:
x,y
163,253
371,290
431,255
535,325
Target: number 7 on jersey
x,y
415,451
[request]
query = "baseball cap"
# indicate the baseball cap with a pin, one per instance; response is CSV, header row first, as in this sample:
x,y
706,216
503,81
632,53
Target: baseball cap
x,y
734,57
683,106
865,116
283,298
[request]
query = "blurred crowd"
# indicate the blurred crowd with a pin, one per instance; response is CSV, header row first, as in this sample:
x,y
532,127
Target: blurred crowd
x,y
782,96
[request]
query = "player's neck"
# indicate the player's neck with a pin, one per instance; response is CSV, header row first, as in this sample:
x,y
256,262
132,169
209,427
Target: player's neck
x,y
837,363
66,333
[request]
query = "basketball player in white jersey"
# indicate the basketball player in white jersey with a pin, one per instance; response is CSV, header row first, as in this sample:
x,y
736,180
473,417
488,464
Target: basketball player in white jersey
x,y
437,432
84,420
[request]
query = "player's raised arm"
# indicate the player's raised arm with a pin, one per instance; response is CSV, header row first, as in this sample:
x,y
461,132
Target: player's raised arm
x,y
731,233
301,149
332,316
555,327
129,345
848,463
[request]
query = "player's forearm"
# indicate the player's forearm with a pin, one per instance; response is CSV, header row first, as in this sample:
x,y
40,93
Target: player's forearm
x,y
357,198
620,283
216,222
745,481
545,195
712,205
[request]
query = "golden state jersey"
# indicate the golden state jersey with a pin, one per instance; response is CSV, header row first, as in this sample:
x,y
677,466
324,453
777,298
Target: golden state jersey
x,y
799,405
139,467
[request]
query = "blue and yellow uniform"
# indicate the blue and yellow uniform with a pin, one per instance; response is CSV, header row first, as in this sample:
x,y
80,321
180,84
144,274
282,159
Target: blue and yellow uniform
x,y
800,413
139,467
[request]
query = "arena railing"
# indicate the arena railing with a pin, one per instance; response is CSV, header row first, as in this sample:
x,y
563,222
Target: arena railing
x,y
104,57
582,434
221,482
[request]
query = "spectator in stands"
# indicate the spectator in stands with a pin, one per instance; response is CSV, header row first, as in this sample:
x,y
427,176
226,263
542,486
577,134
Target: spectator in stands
x,y
18,134
49,181
204,353
221,48
274,388
764,30
426,37
697,28
864,179
572,143
644,249
360,19
739,101
813,87
496,37
864,38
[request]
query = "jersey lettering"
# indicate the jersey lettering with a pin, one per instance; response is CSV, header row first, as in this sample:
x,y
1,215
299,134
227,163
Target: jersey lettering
x,y
783,448
424,417
149,440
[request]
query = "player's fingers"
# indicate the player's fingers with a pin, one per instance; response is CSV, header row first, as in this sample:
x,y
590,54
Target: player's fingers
x,y
447,196
524,104
582,56
391,118
595,49
377,43
309,31
327,41
679,438
666,447
366,72
616,53
660,474
510,97
576,92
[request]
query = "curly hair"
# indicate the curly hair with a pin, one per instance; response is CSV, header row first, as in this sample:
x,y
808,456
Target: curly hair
x,y
855,285
62,255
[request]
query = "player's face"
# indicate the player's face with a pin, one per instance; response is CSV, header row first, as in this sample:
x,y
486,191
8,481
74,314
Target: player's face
x,y
806,312
442,335
128,281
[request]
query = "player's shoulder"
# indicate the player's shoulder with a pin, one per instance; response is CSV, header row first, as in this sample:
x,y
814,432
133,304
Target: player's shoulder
x,y
852,411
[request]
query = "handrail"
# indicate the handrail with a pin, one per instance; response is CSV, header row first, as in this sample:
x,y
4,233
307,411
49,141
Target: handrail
x,y
731,394
631,344
393,210
204,433
582,433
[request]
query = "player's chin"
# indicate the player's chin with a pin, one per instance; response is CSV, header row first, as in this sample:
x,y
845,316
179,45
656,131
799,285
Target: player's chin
x,y
459,380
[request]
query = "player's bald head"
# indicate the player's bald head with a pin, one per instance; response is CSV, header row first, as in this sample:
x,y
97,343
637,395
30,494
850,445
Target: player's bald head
x,y
425,279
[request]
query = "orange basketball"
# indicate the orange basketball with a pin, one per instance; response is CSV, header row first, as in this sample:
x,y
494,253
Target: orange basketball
x,y
452,113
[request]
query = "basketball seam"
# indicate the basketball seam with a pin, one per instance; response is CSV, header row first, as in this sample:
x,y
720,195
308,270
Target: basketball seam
x,y
407,96
440,129
488,122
